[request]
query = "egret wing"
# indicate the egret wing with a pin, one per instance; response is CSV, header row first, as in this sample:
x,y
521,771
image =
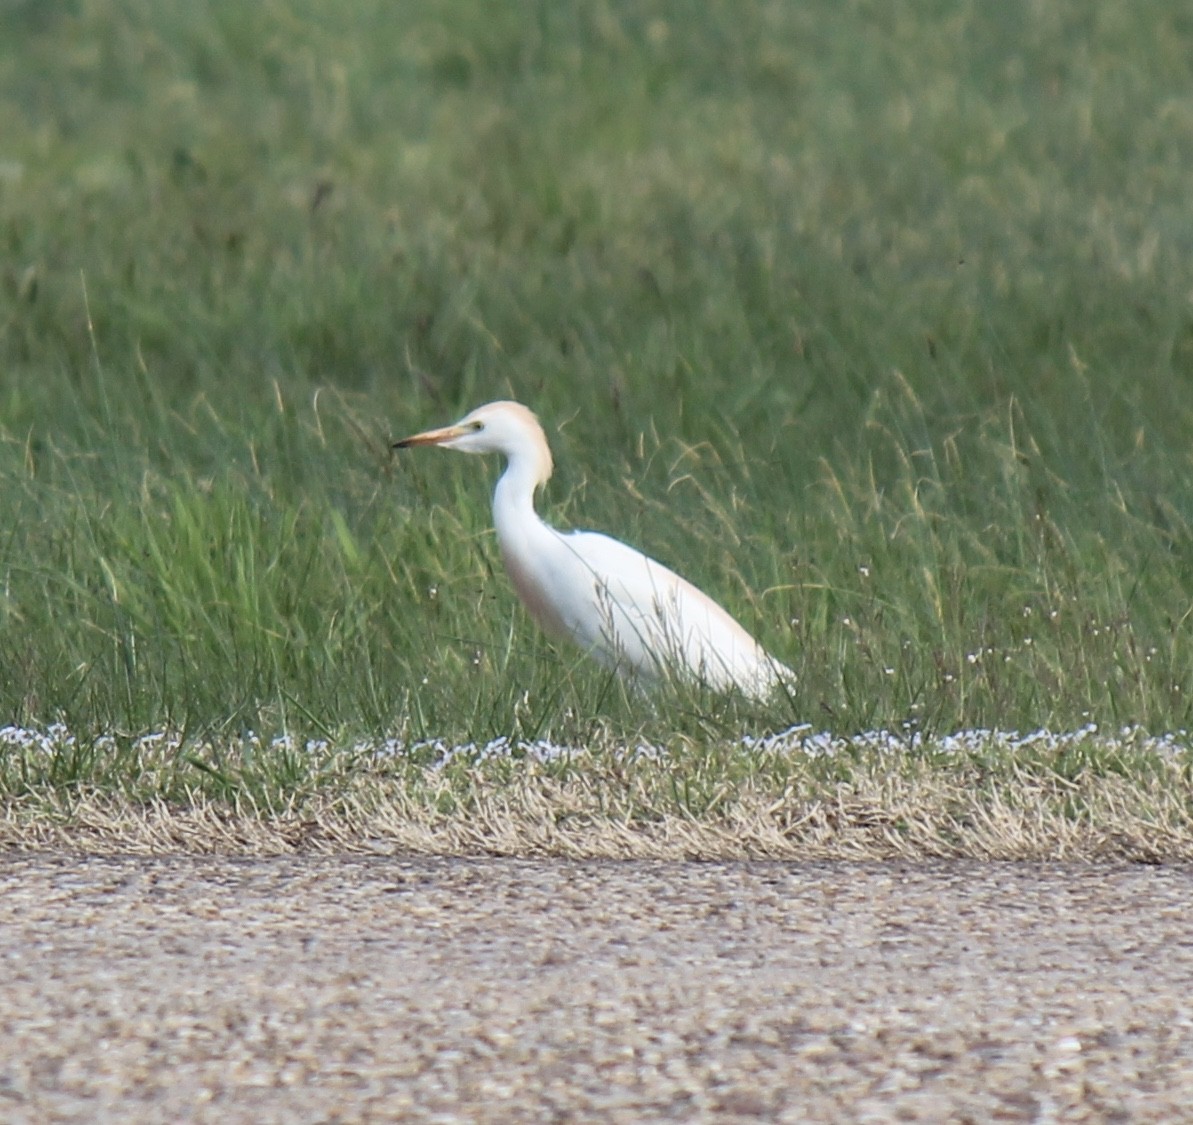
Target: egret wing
x,y
642,614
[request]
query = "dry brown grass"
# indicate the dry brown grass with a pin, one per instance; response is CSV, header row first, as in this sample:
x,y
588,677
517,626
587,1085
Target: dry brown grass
x,y
878,814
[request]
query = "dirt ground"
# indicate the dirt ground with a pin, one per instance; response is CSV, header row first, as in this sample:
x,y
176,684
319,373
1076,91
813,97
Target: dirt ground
x,y
324,989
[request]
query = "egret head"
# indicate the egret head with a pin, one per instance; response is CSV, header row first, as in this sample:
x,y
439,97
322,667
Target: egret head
x,y
497,427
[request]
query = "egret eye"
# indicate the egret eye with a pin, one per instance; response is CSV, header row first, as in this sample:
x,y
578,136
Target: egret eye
x,y
477,426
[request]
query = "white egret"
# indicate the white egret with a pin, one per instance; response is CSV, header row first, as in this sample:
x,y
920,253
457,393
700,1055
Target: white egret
x,y
628,611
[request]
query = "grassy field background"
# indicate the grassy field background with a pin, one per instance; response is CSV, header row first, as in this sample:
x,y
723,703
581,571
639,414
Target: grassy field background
x,y
874,319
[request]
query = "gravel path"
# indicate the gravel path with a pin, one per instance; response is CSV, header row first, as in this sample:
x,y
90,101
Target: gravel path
x,y
448,990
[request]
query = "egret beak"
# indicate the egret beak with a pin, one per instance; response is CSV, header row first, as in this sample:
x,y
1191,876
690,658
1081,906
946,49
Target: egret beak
x,y
432,437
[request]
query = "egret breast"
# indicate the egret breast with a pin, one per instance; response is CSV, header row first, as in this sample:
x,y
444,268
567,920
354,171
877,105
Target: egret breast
x,y
535,595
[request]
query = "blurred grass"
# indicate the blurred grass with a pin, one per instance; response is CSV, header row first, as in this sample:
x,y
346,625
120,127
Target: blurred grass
x,y
1080,796
874,319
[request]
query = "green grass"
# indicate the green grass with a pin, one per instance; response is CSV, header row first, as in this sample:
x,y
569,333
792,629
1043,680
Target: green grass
x,y
874,319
